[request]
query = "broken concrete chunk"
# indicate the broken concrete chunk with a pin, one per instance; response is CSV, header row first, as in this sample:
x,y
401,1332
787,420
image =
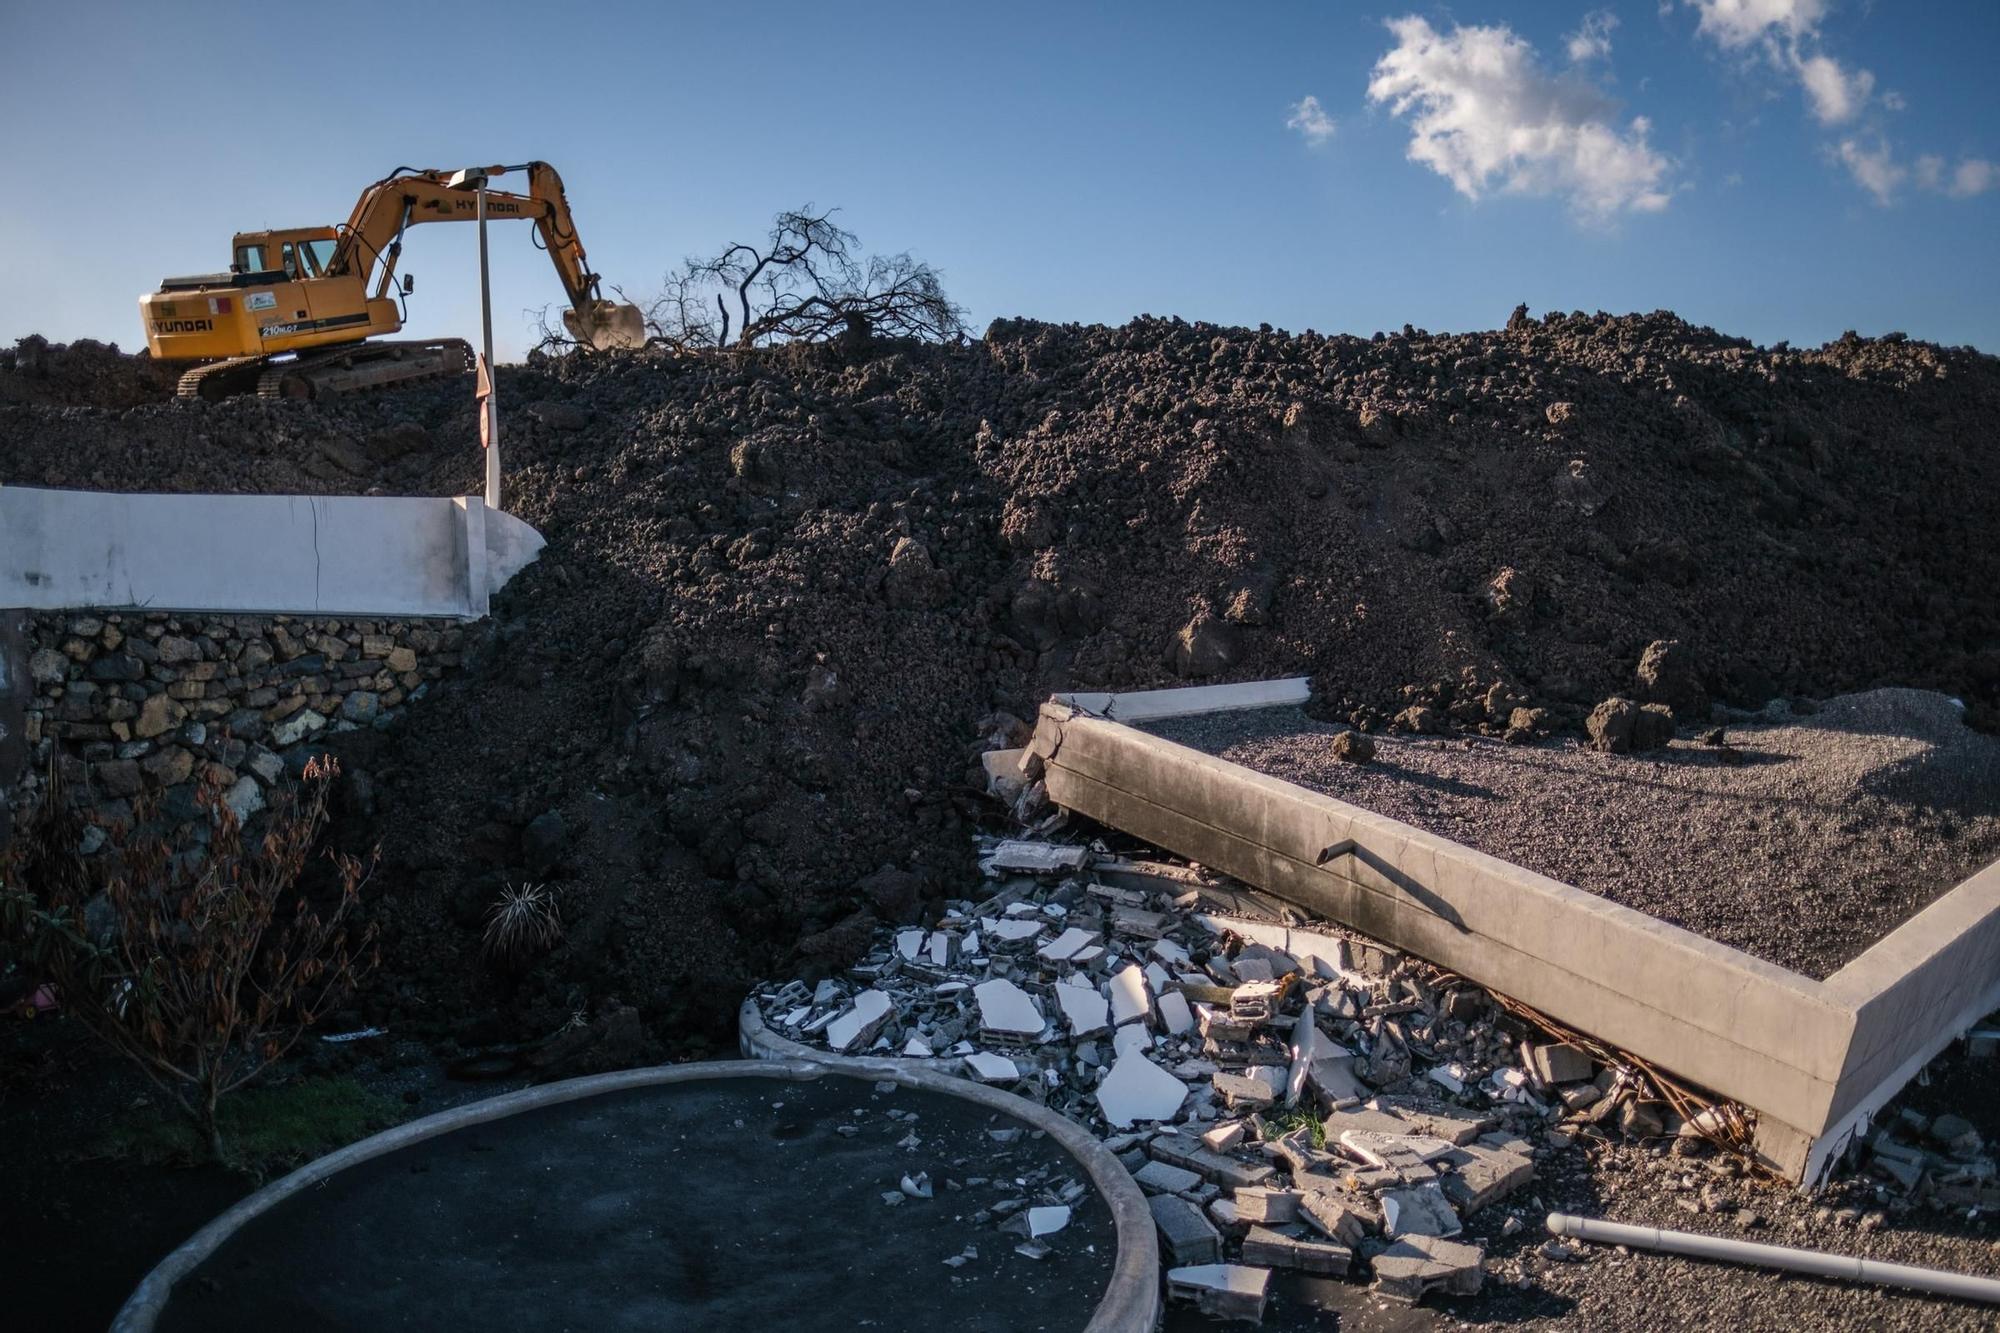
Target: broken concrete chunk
x,y
1163,1178
1261,1203
1256,1089
1415,1265
1293,1249
1139,922
1418,1210
1337,1214
1226,1291
1255,1001
1185,1234
859,1025
1560,1063
1185,1151
1332,1078
1224,1136
1392,1149
1006,1012
1479,1176
1137,1089
1015,857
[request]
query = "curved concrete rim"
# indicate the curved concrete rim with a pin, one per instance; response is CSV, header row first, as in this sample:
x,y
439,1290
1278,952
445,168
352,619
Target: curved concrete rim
x,y
1131,1302
1115,1311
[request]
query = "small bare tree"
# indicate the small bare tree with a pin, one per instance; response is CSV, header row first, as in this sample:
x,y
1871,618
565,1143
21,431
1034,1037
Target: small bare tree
x,y
205,977
805,283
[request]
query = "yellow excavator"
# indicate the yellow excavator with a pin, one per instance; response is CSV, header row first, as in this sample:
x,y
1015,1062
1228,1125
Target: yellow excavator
x,y
294,316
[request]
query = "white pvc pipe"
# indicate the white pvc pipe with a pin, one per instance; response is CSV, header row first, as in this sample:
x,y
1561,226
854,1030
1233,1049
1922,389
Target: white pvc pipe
x,y
1816,1262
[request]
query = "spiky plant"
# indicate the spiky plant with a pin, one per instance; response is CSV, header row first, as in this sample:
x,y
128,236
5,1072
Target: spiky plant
x,y
522,924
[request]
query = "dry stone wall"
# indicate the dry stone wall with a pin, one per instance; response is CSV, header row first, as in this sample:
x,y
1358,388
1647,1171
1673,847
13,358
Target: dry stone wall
x,y
150,704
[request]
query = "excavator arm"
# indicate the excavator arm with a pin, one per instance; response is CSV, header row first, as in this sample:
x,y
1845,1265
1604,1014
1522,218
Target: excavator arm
x,y
371,242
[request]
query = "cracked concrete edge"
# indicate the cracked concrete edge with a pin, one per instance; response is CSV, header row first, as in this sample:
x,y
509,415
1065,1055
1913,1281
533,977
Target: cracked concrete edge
x,y
1131,1302
142,1309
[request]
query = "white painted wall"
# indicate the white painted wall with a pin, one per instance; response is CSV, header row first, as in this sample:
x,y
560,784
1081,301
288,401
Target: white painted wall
x,y
330,554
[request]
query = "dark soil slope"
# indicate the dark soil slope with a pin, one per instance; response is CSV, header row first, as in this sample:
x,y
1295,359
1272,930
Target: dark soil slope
x,y
783,593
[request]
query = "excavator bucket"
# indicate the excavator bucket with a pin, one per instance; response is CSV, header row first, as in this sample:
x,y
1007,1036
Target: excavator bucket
x,y
606,325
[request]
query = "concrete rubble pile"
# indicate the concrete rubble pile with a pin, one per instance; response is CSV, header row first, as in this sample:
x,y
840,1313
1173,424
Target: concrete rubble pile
x,y
1289,1096
1942,1159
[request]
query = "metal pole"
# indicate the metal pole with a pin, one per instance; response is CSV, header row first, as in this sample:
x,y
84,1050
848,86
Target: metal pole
x,y
1964,1286
492,408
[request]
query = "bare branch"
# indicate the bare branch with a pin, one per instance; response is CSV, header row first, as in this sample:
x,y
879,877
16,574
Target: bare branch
x,y
806,284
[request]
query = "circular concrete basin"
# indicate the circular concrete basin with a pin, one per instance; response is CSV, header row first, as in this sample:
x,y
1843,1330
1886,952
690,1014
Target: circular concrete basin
x,y
732,1194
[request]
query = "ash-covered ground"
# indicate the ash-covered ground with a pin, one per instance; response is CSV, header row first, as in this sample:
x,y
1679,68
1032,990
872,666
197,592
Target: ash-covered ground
x,y
789,595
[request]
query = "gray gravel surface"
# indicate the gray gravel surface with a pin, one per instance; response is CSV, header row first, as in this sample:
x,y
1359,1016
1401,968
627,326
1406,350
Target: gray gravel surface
x,y
1832,830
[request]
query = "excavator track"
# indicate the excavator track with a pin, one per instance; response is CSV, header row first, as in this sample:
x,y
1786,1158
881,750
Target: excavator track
x,y
370,365
220,379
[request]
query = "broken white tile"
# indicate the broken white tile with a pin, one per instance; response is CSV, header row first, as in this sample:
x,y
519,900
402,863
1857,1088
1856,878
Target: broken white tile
x,y
1378,1149
1450,1077
1133,1038
1129,999
1305,1049
1084,1010
909,943
859,1025
944,988
1013,930
1059,949
1421,1210
1022,909
1046,1221
917,1048
797,1016
990,1068
1171,953
1087,955
970,949
1157,978
939,948
1137,1089
1006,1009
1175,1015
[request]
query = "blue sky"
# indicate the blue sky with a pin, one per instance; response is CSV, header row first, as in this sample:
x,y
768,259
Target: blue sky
x,y
1782,169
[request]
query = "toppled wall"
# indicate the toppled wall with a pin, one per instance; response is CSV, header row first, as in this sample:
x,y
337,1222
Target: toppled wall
x,y
380,555
133,704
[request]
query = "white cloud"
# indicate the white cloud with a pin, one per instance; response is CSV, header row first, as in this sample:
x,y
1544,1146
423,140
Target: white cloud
x,y
1786,33
1893,100
1735,24
1309,118
1483,111
1874,168
1592,39
1837,94
1975,175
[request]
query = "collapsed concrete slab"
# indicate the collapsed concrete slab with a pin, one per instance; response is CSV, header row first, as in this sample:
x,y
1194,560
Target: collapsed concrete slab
x,y
1814,1059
